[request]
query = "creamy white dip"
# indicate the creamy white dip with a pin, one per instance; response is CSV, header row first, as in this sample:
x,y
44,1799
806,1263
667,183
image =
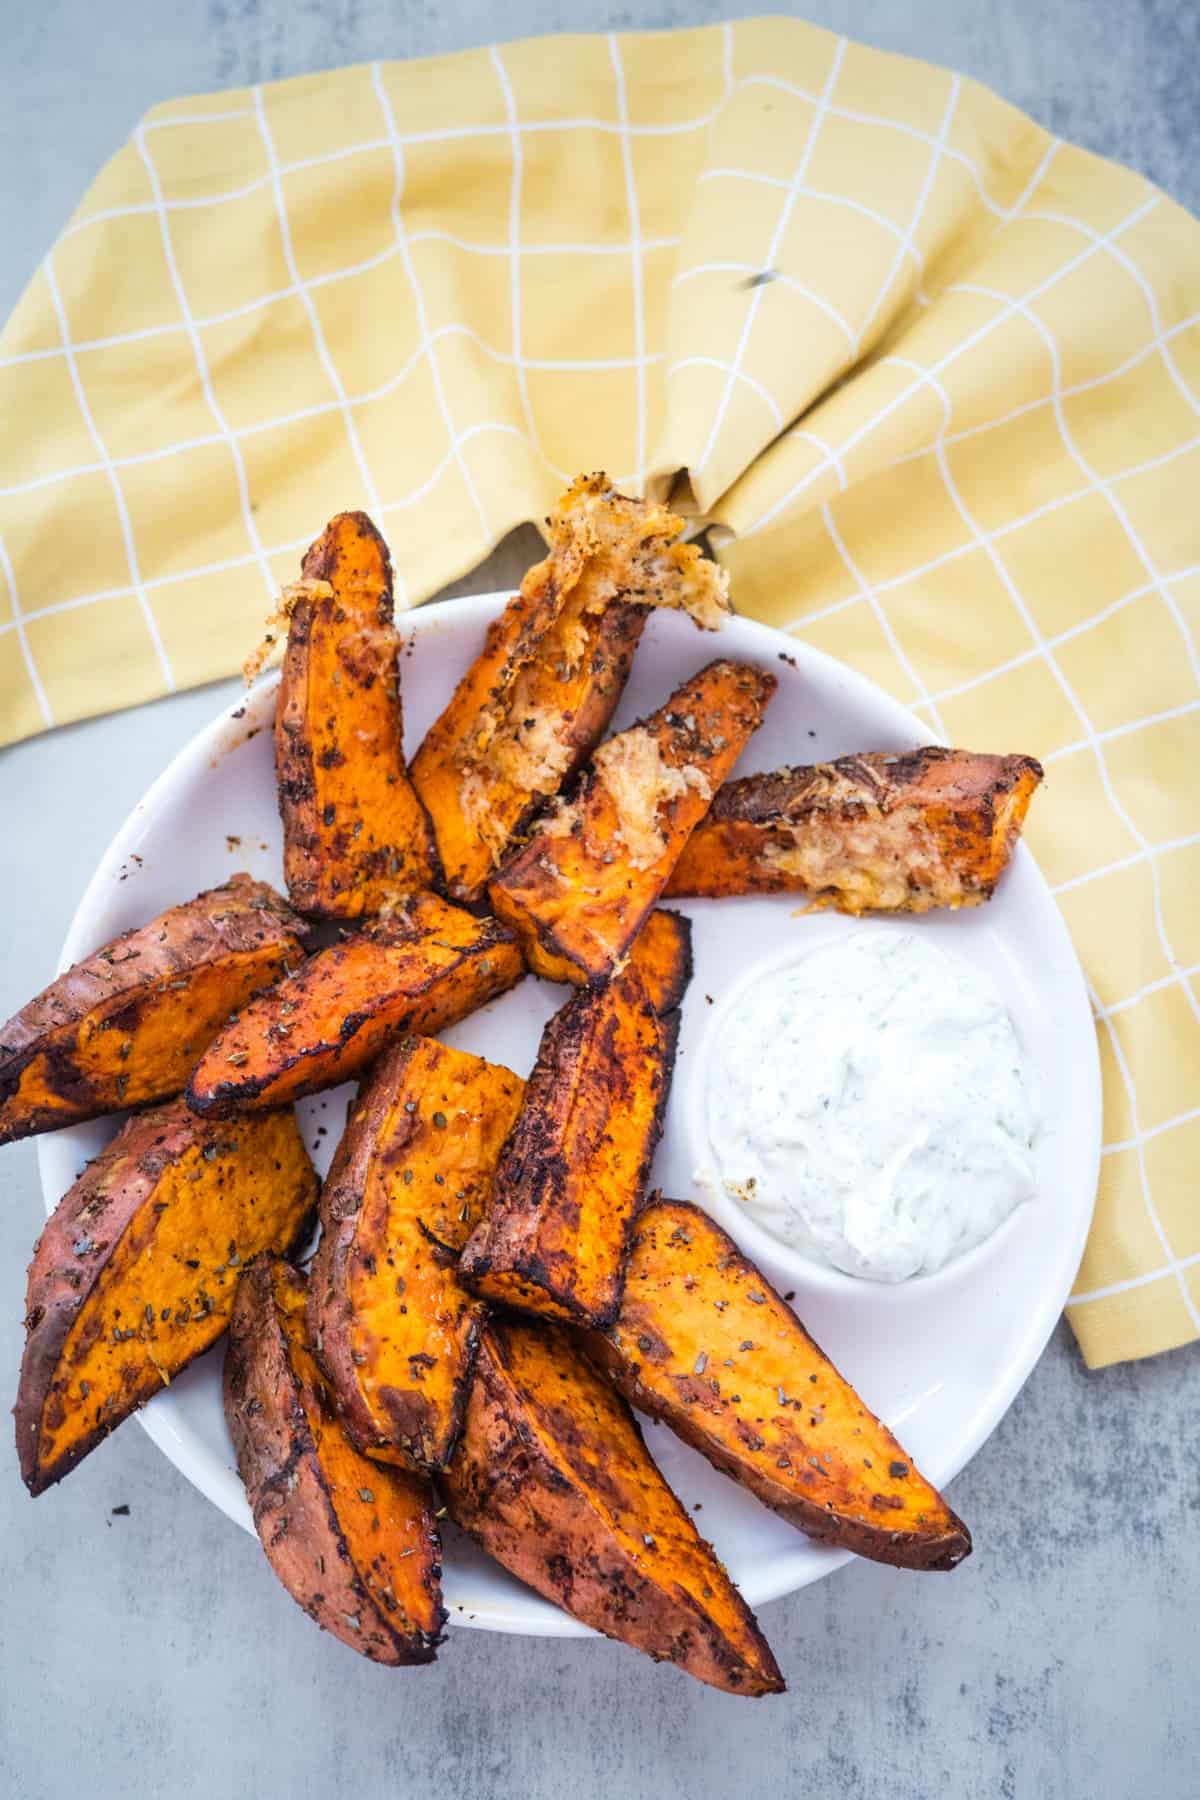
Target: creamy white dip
x,y
868,1105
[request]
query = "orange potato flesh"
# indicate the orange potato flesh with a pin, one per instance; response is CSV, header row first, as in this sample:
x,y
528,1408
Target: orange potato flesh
x,y
532,706
125,1025
135,1273
662,951
355,833
572,1175
419,970
881,832
552,1478
704,1343
579,890
355,1545
396,1331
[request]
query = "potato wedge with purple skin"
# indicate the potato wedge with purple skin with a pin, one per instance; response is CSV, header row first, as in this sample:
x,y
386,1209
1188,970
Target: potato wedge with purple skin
x,y
135,1271
420,969
355,834
881,832
355,1545
125,1026
540,695
571,1177
704,1343
552,1478
394,1328
580,889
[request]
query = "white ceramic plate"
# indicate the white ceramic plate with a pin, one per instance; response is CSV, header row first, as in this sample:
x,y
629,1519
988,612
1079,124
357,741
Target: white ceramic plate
x,y
940,1366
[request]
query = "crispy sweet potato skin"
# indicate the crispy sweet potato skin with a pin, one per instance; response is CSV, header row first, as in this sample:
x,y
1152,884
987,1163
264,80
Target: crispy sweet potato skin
x,y
571,1177
552,1478
395,1330
420,969
881,832
705,1343
134,1274
355,1545
662,951
124,1026
477,807
354,832
580,889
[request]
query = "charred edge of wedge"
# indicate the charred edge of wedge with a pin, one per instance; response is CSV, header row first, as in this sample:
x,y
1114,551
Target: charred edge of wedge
x,y
663,948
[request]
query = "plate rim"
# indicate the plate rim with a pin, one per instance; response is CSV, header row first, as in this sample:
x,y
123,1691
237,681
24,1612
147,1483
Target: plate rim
x,y
193,1463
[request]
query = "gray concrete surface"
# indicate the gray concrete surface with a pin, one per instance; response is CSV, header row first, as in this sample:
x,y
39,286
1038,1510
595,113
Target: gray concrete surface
x,y
153,1653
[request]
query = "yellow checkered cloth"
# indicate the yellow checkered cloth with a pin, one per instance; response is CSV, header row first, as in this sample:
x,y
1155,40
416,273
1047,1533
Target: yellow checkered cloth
x,y
934,376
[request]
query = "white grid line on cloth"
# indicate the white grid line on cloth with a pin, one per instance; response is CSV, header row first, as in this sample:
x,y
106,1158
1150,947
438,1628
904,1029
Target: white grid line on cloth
x,y
198,118
1154,1131
1143,993
855,117
515,194
173,329
1127,262
202,368
1101,484
843,200
811,437
635,243
881,618
1092,739
306,300
473,431
960,349
400,229
1133,1281
114,479
1079,629
1139,1146
716,362
1067,393
321,408
793,187
1002,531
17,624
909,240
788,281
1126,730
1166,848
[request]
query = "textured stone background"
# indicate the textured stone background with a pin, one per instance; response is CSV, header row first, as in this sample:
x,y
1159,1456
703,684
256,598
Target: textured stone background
x,y
154,1653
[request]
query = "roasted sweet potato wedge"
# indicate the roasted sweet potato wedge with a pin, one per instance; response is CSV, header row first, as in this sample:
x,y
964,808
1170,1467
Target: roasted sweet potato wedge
x,y
579,890
420,969
704,1343
394,1328
355,1545
540,695
134,1274
662,951
552,1478
571,1177
355,834
125,1025
882,832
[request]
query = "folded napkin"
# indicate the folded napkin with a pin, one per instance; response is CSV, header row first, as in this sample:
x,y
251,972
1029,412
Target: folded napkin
x,y
933,376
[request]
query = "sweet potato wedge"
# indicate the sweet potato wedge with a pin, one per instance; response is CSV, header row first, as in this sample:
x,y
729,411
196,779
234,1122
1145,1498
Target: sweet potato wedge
x,y
355,834
662,951
704,1343
881,832
572,1175
578,891
134,1274
552,1478
355,1545
395,1330
532,706
419,969
125,1025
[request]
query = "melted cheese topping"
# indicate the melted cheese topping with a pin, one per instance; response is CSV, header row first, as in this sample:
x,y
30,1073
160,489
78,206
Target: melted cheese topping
x,y
640,783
